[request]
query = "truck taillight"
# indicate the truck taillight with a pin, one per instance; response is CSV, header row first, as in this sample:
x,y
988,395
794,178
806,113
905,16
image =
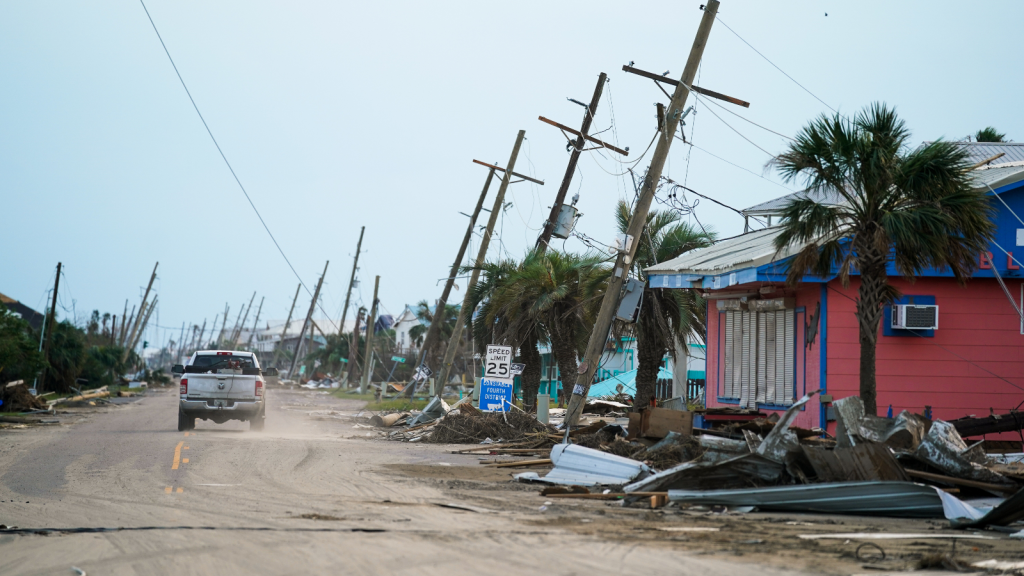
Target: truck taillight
x,y
259,388
184,386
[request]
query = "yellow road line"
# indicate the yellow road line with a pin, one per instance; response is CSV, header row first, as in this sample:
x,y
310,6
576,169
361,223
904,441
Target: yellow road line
x,y
184,447
186,433
167,490
184,460
177,456
180,490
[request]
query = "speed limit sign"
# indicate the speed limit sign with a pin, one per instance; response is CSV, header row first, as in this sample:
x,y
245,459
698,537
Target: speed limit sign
x,y
499,362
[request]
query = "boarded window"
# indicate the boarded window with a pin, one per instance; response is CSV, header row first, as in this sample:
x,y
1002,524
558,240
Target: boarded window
x,y
760,353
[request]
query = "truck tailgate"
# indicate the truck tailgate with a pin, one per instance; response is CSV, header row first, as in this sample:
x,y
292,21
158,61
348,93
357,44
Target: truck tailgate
x,y
229,386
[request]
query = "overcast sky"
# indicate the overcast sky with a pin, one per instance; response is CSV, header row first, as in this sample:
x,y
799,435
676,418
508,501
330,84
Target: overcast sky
x,y
340,115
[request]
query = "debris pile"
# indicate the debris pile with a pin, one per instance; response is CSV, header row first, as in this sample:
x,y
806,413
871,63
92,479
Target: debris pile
x,y
17,398
473,427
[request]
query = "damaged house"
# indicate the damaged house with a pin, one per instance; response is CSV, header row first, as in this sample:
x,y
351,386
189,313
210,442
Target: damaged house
x,y
945,350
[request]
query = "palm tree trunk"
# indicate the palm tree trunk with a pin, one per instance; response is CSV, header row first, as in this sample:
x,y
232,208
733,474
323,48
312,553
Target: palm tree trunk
x,y
565,355
649,353
531,373
870,297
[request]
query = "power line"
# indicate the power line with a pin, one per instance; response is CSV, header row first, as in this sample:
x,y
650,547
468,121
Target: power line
x,y
740,167
710,101
225,158
719,18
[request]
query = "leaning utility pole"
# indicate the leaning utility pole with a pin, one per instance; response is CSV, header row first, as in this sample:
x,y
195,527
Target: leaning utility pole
x,y
351,280
124,323
370,323
142,310
353,347
241,325
220,335
570,170
598,338
181,342
202,332
284,332
49,324
213,328
465,312
305,323
231,335
145,321
124,328
255,323
434,331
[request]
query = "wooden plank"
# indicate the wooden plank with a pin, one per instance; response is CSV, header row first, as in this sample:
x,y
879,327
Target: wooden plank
x,y
516,174
565,128
610,496
697,89
1005,489
542,461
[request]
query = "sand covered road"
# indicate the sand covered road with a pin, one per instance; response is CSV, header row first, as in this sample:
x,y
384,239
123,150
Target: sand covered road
x,y
307,496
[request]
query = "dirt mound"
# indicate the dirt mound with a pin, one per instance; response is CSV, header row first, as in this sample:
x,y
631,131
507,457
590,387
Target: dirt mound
x,y
474,428
17,398
684,449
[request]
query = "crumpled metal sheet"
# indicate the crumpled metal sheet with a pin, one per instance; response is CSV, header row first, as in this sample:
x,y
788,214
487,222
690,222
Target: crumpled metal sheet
x,y
864,462
782,441
899,499
737,471
434,409
581,466
944,449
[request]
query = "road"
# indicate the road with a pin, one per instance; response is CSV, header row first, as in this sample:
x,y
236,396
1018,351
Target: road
x,y
306,496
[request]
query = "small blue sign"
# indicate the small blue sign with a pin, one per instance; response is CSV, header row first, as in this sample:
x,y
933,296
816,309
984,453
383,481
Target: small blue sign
x,y
496,394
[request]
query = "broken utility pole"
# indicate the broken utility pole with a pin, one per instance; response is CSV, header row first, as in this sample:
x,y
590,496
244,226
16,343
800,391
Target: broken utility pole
x,y
351,281
367,362
145,321
284,332
464,313
620,271
434,331
255,324
142,311
124,326
220,335
353,349
574,157
305,323
49,326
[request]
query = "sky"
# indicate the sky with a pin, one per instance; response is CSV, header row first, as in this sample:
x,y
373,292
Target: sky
x,y
341,115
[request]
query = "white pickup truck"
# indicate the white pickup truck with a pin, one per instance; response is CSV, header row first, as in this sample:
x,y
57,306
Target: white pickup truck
x,y
221,385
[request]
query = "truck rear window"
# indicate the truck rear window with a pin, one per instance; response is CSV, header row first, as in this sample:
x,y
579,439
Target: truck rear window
x,y
209,362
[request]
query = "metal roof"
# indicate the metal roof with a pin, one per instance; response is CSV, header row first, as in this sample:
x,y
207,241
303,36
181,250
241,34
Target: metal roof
x,y
775,206
748,250
996,175
980,151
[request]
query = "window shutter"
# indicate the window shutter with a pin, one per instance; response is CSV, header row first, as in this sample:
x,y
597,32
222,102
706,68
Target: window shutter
x,y
789,382
762,344
747,385
730,357
769,359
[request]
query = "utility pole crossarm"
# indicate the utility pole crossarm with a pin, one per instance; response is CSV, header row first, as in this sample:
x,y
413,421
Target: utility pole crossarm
x,y
516,174
697,89
600,143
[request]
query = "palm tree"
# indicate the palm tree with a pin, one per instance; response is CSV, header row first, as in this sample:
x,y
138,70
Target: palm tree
x,y
913,209
559,291
666,316
989,135
512,327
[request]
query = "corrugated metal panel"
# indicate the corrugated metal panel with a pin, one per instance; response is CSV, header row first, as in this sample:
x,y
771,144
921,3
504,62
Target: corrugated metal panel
x,y
587,467
762,343
730,358
899,499
737,354
769,359
751,249
775,206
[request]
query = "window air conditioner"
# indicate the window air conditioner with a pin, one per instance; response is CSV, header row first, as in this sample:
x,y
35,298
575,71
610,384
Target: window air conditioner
x,y
915,317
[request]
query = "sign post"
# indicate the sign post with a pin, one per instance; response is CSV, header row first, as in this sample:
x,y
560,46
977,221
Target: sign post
x,y
496,393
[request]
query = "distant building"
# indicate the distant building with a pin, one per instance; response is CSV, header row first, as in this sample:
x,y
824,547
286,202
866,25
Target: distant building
x,y
34,319
405,322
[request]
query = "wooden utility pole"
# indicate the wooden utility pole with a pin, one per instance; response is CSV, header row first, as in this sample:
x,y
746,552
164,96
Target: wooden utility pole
x,y
284,332
49,324
305,323
202,332
351,280
113,329
213,329
231,335
465,312
241,325
353,347
124,323
570,170
434,331
255,323
124,328
220,335
142,310
598,338
181,343
145,322
367,363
